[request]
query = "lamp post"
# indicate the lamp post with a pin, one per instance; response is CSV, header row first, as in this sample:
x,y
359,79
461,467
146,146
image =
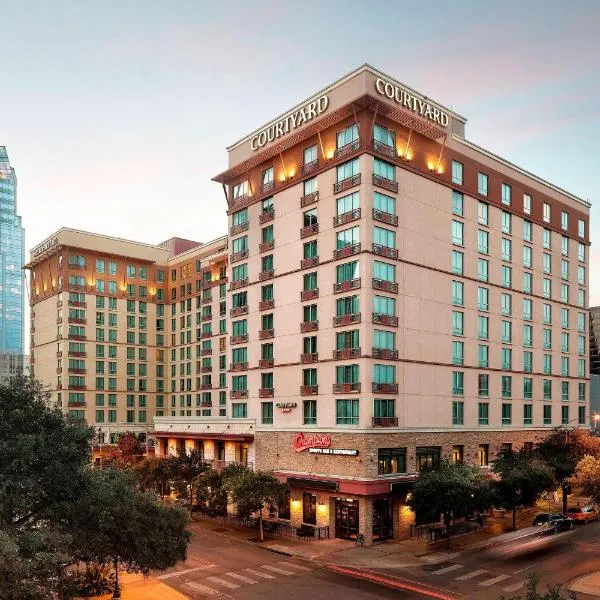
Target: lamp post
x,y
596,419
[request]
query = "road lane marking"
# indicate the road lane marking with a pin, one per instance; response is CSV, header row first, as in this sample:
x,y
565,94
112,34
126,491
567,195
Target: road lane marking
x,y
259,574
514,588
448,569
438,557
240,577
494,580
276,570
201,588
525,569
294,566
227,584
471,575
185,571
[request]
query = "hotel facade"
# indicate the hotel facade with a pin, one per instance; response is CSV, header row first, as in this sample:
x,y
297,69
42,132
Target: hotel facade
x,y
395,295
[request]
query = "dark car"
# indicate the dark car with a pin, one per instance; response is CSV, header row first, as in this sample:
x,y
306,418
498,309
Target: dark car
x,y
557,521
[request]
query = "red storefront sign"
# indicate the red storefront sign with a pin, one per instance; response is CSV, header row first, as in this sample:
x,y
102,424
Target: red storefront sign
x,y
301,442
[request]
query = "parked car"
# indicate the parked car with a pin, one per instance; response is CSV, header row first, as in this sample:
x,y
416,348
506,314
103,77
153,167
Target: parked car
x,y
583,514
543,518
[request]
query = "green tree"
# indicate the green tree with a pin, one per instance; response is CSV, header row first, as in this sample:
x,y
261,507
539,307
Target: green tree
x,y
587,475
531,591
563,449
153,475
450,490
184,470
522,478
253,491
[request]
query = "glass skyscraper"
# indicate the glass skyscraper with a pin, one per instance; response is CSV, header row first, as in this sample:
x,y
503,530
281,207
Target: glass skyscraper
x,y
12,281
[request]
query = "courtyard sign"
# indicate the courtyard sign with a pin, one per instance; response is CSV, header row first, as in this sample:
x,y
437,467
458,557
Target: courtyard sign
x,y
406,100
44,246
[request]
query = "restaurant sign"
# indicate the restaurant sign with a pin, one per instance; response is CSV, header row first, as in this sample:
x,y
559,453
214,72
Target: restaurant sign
x,y
302,442
334,451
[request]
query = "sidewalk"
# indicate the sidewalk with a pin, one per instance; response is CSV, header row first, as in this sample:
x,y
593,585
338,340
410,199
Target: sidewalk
x,y
588,584
135,586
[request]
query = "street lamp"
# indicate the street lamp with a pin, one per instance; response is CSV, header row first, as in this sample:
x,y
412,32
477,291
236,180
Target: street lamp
x,y
596,419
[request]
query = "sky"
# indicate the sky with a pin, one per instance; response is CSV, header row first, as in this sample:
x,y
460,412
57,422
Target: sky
x,y
117,114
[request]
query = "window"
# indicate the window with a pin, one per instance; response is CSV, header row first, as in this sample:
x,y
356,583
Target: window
x,y
483,385
564,245
547,364
457,233
482,327
564,415
506,359
309,412
240,244
310,249
457,322
581,298
382,305
546,238
527,204
348,271
564,390
310,155
267,413
350,305
384,169
527,231
347,170
527,309
546,212
564,269
564,292
564,342
384,237
457,353
347,136
384,136
384,340
482,298
384,203
457,262
527,335
527,388
506,386
427,457
527,283
506,249
581,275
239,410
506,276
506,414
581,391
240,190
457,383
267,177
346,204
581,415
391,460
347,412
564,220
384,410
239,272
527,414
457,293
506,304
482,269
483,213
547,414
240,217
527,257
547,339
483,454
458,409
547,288
483,412
581,228
483,241
580,321
506,192
457,203
483,353
506,222
457,172
547,387
580,252
482,184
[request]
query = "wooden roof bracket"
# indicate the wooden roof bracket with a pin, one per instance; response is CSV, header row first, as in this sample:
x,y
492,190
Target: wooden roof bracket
x,y
225,192
439,162
283,166
373,123
408,141
321,144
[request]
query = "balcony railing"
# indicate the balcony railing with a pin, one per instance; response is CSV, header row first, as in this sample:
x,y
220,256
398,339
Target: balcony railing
x,y
385,353
205,335
346,353
309,199
346,251
206,386
238,311
77,337
385,251
74,386
385,286
385,421
207,299
385,388
268,187
266,304
235,229
309,230
205,369
264,275
76,320
346,388
309,294
307,326
347,183
78,304
309,390
346,286
239,201
306,263
347,149
266,363
385,183
266,216
385,217
309,357
77,371
266,392
75,354
347,217
205,351
385,149
239,366
307,168
238,394
237,256
387,320
206,318
240,283
265,334
265,246
342,320
238,339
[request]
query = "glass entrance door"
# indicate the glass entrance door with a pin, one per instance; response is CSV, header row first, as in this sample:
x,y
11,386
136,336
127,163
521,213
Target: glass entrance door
x,y
346,518
382,519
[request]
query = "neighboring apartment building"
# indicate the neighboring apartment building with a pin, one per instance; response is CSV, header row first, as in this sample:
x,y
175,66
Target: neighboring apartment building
x,y
12,281
397,294
113,323
595,367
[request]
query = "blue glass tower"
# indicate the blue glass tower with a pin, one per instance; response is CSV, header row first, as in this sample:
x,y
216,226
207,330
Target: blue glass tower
x,y
12,254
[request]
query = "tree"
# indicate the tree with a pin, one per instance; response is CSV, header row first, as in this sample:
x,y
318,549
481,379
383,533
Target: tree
x,y
531,591
587,475
523,477
43,467
118,524
153,475
562,449
127,452
183,470
252,491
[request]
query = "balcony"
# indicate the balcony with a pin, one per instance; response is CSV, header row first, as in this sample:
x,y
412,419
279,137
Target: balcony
x,y
266,363
309,357
77,337
307,263
384,149
265,334
346,286
309,230
75,354
265,275
346,251
387,184
58,370
237,256
239,201
76,320
58,354
206,386
309,294
347,149
235,285
385,421
235,229
239,366
77,304
238,311
346,184
266,392
346,353
206,403
265,246
309,390
346,388
309,199
206,352
346,320
347,217
386,320
205,369
266,216
267,188
309,167
205,335
206,318
266,304
385,217
385,388
307,326
385,251
238,339
77,371
74,404
238,394
207,299
385,353
385,286
73,386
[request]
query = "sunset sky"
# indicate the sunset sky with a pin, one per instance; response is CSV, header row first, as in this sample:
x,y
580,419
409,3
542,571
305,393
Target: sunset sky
x,y
116,114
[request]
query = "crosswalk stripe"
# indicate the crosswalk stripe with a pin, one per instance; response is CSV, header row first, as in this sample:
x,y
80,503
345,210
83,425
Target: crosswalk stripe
x,y
240,577
259,574
185,571
514,588
494,580
448,569
276,570
224,582
438,557
201,588
294,566
470,575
